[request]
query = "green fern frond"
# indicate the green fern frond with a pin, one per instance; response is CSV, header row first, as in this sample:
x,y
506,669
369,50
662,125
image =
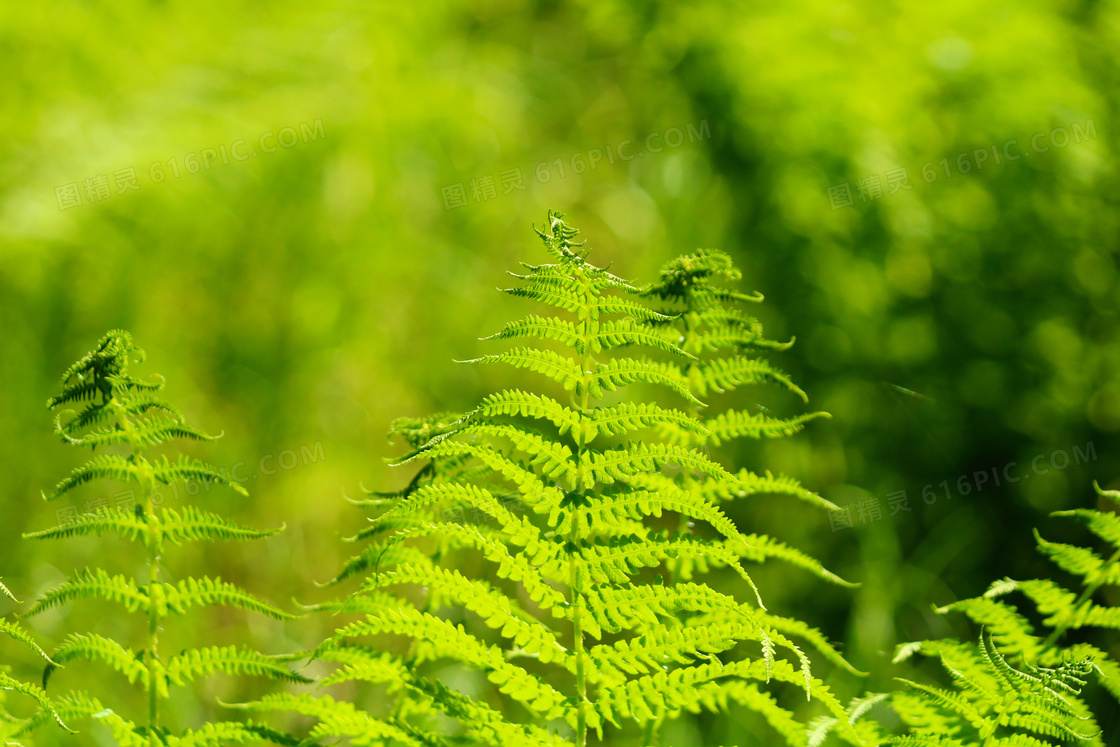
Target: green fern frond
x,y
198,592
35,693
186,469
443,639
144,433
16,632
571,532
496,609
1062,609
337,719
191,524
47,710
203,662
94,584
721,374
115,408
101,467
105,520
991,699
734,424
95,647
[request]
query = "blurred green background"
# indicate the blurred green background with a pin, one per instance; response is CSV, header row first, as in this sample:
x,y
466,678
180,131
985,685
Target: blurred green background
x,y
354,179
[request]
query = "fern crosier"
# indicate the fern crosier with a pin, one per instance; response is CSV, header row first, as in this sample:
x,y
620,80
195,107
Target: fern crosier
x,y
584,632
123,413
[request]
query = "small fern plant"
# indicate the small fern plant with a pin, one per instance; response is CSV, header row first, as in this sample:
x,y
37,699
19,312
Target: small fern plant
x,y
1016,687
123,414
12,728
991,702
582,630
988,702
1063,610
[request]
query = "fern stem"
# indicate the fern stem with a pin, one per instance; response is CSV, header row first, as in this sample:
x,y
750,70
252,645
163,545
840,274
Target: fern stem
x,y
152,541
573,537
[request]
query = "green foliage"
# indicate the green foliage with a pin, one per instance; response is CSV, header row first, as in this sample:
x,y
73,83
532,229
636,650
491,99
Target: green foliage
x,y
124,414
1062,610
1015,687
12,727
578,510
1041,696
992,702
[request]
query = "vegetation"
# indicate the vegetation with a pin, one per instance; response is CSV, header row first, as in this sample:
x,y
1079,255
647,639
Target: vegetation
x,y
561,568
12,727
118,409
578,523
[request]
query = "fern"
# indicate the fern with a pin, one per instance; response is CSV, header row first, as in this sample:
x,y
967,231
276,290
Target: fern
x,y
10,726
561,495
1016,686
124,414
991,702
1062,610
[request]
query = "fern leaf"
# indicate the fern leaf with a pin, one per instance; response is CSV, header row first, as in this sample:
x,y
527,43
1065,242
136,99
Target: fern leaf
x,y
106,519
190,665
739,424
444,639
89,584
102,466
337,718
496,609
197,592
187,469
619,372
98,648
524,404
546,328
621,464
721,374
561,369
190,524
34,692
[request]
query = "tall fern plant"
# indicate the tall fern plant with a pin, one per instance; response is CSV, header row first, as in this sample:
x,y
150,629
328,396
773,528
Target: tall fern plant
x,y
582,630
124,415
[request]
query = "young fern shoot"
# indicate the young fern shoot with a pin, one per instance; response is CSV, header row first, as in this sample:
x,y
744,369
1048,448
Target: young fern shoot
x,y
581,631
124,414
